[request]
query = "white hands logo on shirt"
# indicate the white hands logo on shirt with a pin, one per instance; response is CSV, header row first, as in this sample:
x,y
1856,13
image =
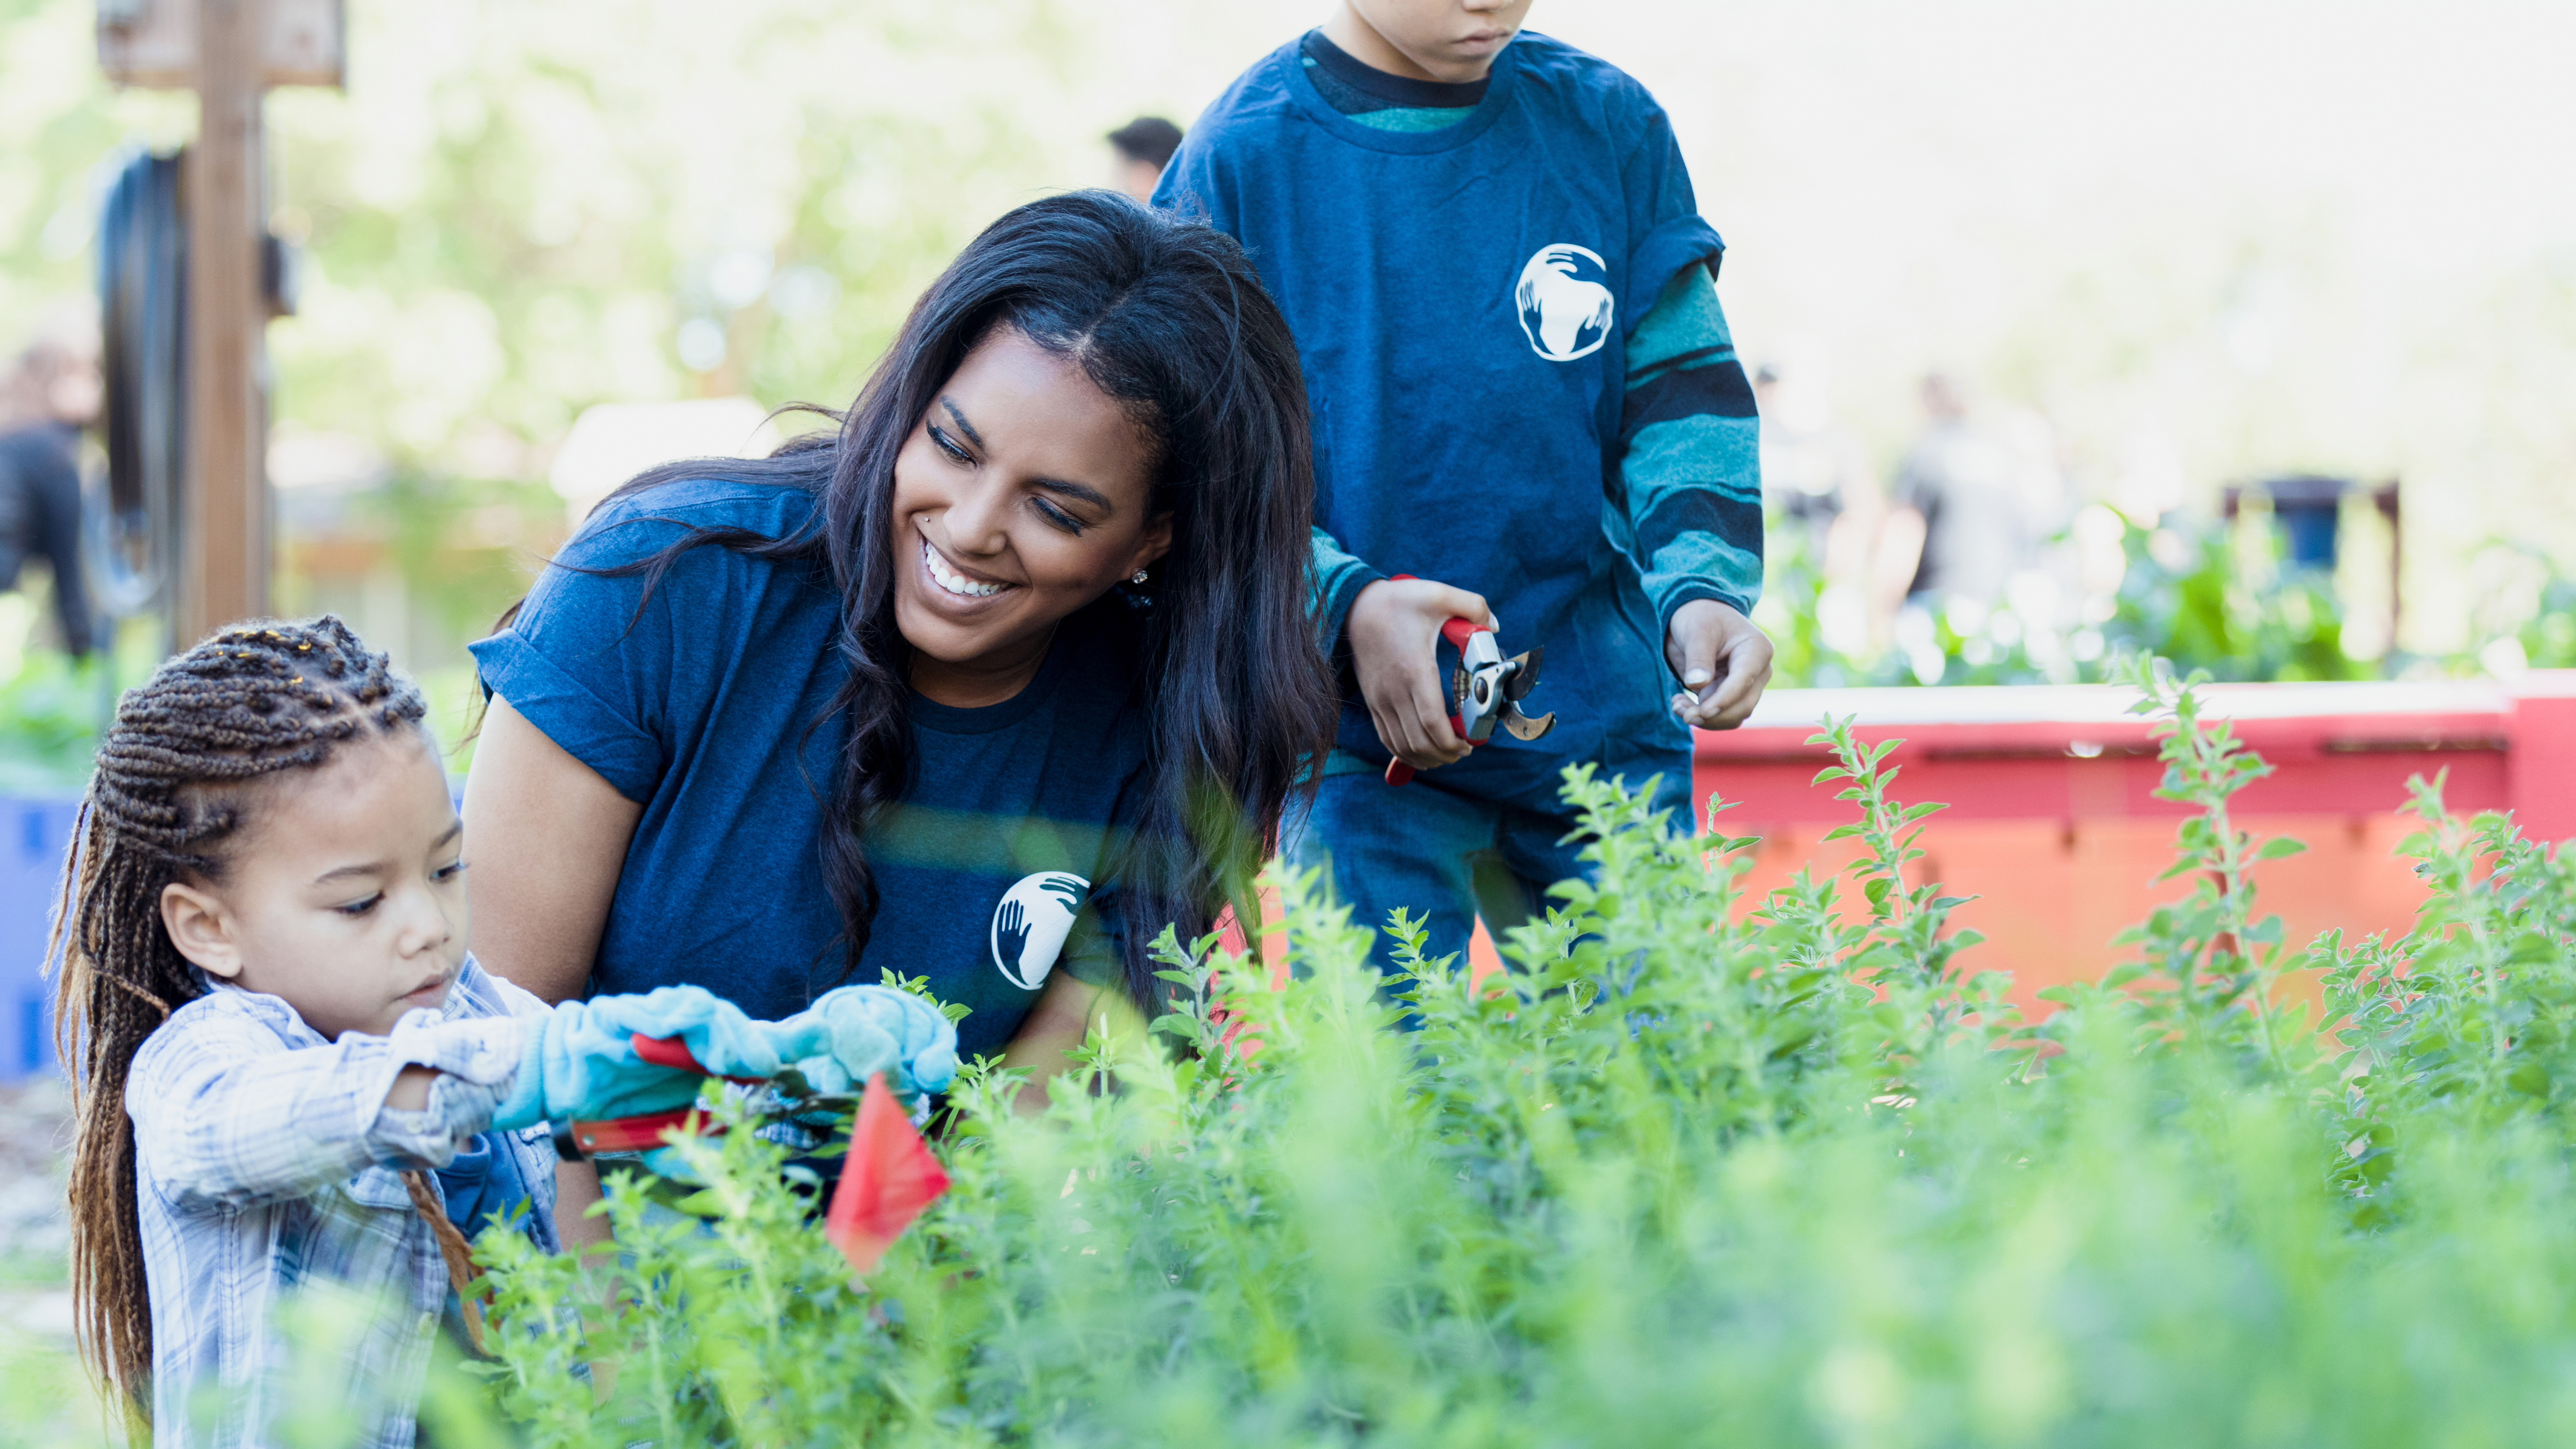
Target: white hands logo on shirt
x,y
1031,923
1564,301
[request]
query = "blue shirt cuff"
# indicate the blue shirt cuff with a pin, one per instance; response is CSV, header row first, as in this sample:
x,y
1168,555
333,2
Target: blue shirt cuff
x,y
1336,612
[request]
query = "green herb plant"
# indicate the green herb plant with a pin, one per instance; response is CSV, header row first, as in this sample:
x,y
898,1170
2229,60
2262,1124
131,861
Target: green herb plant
x,y
1694,1169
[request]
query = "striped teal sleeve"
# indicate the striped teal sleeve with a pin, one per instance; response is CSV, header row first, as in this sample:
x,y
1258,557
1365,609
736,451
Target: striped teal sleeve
x,y
1691,463
1339,577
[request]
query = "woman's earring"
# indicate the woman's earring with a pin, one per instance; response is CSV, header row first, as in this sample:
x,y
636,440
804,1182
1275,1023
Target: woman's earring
x,y
1139,578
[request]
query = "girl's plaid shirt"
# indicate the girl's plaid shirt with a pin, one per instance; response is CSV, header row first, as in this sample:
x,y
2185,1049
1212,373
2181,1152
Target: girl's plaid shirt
x,y
266,1163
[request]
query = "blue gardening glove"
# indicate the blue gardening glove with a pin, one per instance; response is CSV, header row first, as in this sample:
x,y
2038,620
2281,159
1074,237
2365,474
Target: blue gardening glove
x,y
725,1042
580,1063
851,1032
847,1035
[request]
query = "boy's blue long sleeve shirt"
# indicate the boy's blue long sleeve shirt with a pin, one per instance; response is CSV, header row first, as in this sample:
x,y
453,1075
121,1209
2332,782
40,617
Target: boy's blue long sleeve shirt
x,y
1520,379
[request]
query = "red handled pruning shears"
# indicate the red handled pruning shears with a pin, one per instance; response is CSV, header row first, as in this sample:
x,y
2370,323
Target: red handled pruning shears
x,y
642,1133
888,1177
1485,690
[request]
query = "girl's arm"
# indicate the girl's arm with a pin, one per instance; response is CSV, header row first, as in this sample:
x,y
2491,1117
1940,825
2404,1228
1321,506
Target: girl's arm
x,y
226,1115
549,840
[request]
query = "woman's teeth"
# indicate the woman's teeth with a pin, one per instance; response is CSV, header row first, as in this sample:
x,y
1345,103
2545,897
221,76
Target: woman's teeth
x,y
953,581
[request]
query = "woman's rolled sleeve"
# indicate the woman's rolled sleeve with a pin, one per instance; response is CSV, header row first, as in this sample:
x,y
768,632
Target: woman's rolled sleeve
x,y
587,659
566,710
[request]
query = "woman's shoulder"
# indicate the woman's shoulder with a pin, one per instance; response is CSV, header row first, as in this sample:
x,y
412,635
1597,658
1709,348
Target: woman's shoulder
x,y
632,526
631,549
665,619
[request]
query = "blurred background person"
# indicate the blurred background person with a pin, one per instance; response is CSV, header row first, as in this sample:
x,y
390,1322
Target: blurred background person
x,y
1974,500
51,393
1957,530
1139,152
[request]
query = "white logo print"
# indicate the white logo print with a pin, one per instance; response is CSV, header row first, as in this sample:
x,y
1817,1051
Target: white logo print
x,y
1565,303
1030,924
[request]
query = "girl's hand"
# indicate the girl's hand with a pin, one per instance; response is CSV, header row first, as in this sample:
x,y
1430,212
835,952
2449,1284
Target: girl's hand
x,y
579,1059
851,1033
411,1089
1723,661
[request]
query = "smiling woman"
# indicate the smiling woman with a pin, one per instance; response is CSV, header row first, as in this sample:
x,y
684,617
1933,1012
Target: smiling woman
x,y
987,686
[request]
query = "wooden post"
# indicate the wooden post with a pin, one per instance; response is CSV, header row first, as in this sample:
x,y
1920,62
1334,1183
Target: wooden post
x,y
230,51
224,575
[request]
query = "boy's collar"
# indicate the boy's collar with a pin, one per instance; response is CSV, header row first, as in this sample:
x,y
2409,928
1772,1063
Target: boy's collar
x,y
1395,90
1302,78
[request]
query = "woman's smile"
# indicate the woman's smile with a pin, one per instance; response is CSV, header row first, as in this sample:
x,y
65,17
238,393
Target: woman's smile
x,y
956,582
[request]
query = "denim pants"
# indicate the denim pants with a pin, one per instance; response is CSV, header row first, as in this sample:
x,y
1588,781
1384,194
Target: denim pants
x,y
1436,852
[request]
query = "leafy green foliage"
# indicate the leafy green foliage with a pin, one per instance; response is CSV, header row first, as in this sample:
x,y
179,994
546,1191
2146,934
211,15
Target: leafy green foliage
x,y
2188,594
2548,637
2210,967
1685,1173
51,705
2203,609
49,712
2525,610
2467,1024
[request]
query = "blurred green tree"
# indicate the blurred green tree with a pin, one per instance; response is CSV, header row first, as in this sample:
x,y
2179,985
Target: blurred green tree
x,y
516,212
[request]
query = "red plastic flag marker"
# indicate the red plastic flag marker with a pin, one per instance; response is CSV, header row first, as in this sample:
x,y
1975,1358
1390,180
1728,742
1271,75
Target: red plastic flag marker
x,y
889,1178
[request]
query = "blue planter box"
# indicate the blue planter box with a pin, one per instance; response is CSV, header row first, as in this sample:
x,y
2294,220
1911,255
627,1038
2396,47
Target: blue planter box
x,y
33,833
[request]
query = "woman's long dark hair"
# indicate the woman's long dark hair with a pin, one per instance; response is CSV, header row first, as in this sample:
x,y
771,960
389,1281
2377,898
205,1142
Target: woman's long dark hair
x,y
1169,318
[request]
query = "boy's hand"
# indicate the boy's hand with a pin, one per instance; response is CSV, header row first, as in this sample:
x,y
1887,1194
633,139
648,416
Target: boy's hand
x,y
1394,630
1723,661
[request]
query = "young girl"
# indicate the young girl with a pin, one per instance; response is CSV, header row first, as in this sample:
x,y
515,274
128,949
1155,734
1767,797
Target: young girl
x,y
290,1071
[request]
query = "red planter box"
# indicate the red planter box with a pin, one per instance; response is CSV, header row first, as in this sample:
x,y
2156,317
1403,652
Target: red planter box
x,y
2053,823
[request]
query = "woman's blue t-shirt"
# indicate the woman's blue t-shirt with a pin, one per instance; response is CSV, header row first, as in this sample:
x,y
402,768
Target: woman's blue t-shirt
x,y
711,707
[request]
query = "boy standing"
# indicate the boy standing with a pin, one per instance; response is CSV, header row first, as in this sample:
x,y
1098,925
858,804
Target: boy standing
x,y
1525,396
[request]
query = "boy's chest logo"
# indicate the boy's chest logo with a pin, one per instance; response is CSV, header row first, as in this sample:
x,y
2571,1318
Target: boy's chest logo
x,y
1565,302
1030,925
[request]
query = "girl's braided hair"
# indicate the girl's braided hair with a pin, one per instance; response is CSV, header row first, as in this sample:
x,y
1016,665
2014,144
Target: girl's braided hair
x,y
250,702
